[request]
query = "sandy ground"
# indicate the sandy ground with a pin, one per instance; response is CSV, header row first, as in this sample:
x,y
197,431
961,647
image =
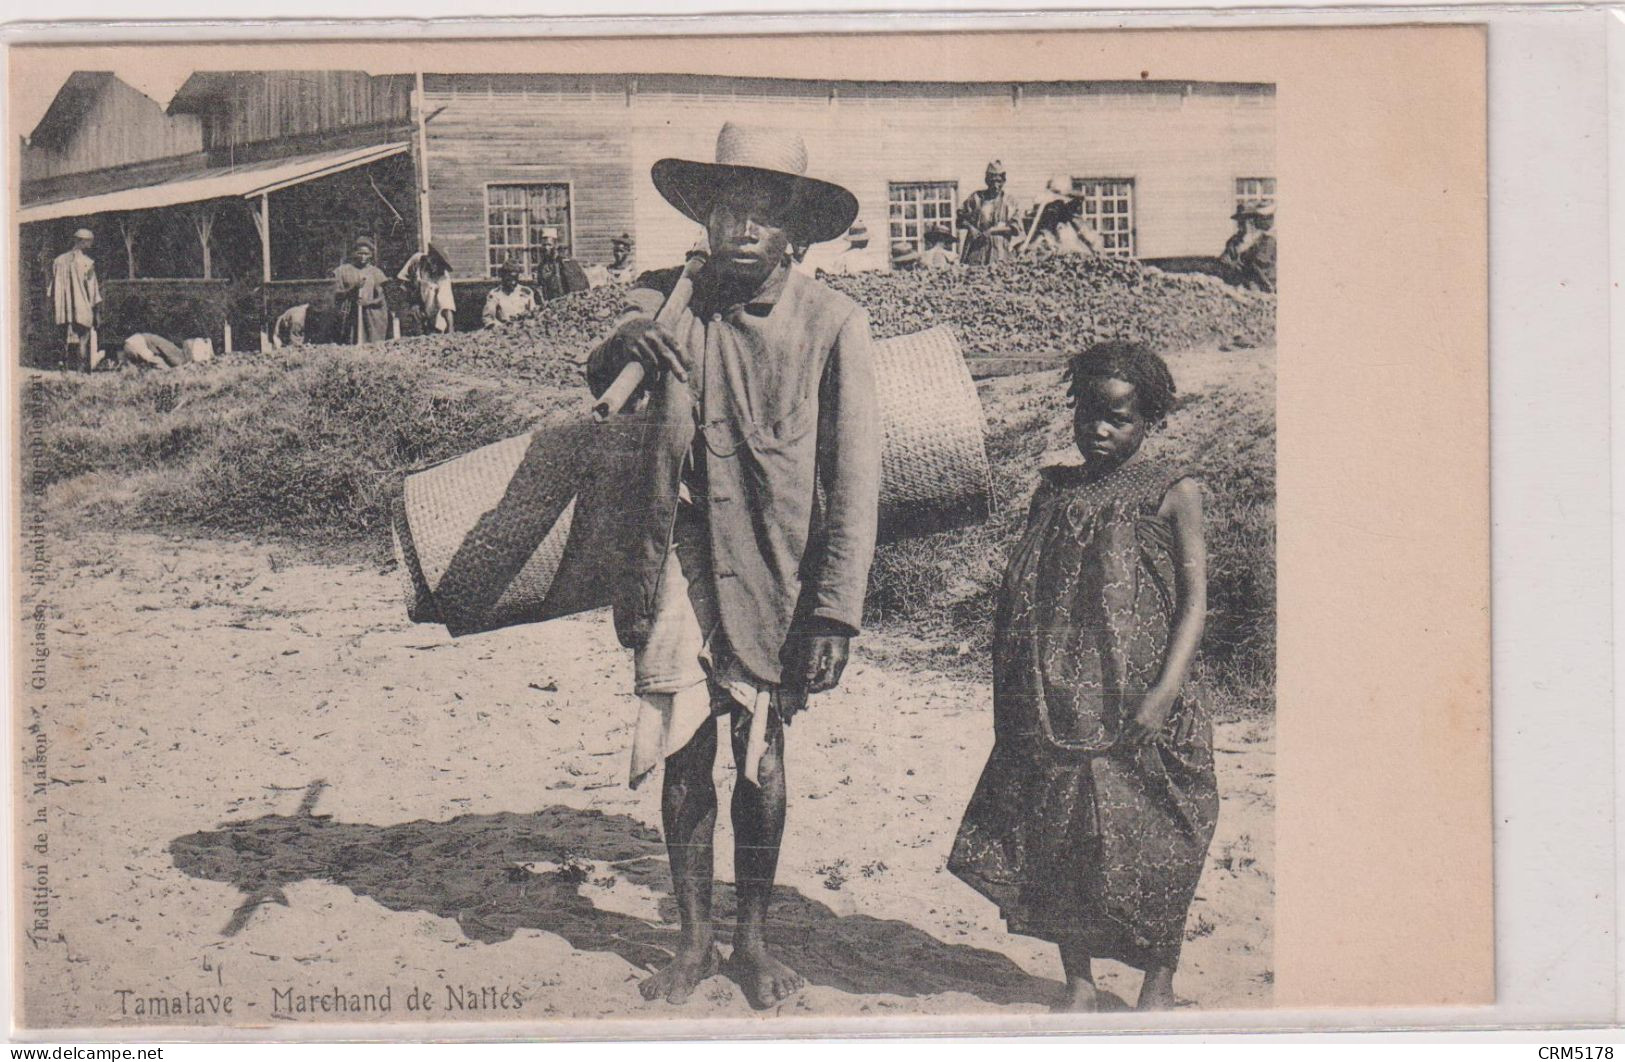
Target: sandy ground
x,y
262,783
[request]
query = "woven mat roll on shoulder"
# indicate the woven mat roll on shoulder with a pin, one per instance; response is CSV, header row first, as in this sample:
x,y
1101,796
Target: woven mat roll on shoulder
x,y
523,530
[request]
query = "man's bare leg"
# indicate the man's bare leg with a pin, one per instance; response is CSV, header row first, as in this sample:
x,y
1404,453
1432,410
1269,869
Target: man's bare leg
x,y
758,818
688,812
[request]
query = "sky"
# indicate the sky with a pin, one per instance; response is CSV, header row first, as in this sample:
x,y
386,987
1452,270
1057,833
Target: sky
x,y
33,98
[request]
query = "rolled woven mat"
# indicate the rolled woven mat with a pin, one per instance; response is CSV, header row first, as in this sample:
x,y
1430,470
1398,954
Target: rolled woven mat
x,y
522,530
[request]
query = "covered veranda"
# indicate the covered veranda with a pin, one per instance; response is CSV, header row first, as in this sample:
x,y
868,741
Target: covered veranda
x,y
221,252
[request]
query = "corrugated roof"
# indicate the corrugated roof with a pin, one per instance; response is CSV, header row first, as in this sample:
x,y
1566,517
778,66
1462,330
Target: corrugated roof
x,y
248,180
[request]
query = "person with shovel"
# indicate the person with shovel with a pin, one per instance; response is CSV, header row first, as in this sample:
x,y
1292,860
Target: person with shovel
x,y
989,219
751,519
358,293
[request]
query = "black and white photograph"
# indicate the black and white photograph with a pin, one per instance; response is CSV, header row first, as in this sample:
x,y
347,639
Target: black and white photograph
x,y
589,547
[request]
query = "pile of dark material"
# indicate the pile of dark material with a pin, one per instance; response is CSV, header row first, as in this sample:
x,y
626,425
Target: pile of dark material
x,y
1045,306
1063,304
545,348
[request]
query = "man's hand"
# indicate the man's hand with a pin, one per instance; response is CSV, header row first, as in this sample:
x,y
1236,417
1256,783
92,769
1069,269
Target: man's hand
x,y
824,660
652,346
813,661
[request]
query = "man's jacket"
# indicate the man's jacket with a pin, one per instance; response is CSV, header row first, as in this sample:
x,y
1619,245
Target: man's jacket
x,y
781,396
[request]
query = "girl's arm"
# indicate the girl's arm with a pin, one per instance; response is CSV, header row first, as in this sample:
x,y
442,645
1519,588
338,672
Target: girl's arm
x,y
1183,506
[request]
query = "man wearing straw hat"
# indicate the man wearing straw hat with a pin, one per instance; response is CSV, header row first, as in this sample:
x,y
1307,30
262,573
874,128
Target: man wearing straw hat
x,y
752,532
76,301
939,249
1250,251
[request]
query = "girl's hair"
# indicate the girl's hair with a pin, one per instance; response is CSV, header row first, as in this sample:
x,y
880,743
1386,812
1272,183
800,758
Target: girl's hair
x,y
1133,363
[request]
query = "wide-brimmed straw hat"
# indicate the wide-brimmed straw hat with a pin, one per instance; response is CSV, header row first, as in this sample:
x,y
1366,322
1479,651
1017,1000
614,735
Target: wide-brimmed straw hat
x,y
84,234
819,209
1060,186
623,240
903,253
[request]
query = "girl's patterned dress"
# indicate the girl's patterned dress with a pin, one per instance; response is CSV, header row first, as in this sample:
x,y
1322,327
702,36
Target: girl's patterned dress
x,y
1076,839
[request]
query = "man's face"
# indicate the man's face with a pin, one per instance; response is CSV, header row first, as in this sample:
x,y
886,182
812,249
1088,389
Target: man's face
x,y
995,183
748,231
362,256
550,246
508,281
622,253
83,243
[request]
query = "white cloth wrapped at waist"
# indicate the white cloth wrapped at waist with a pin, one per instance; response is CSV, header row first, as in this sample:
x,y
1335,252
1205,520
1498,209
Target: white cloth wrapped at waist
x,y
677,666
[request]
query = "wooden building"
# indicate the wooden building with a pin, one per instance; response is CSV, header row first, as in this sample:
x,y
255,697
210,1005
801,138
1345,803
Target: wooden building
x,y
214,212
261,179
1162,164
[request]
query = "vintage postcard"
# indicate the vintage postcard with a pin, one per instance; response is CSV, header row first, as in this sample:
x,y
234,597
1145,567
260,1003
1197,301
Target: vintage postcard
x,y
595,537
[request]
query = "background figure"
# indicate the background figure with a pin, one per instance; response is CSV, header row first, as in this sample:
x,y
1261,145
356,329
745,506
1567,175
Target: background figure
x,y
557,275
430,274
990,220
358,294
622,269
289,330
148,350
1058,227
939,249
1248,257
509,300
856,257
76,302
310,323
904,257
1258,259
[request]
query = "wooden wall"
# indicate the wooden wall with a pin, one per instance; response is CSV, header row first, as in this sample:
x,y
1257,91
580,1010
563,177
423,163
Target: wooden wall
x,y
1183,145
121,127
526,130
270,105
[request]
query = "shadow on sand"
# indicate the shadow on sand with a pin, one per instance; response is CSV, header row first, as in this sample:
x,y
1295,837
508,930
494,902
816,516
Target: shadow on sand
x,y
472,870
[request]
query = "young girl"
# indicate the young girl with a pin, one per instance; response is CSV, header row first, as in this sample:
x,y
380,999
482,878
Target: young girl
x,y
1093,815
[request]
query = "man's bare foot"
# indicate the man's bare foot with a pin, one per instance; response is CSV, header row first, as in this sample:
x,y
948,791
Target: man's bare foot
x,y
1082,997
683,974
1157,990
765,980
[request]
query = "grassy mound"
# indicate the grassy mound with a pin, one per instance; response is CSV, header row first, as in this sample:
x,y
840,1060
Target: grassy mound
x,y
307,447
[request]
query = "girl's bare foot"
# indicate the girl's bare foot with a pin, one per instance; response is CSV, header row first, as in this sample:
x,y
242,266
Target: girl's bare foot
x,y
683,974
1157,990
765,980
1081,998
